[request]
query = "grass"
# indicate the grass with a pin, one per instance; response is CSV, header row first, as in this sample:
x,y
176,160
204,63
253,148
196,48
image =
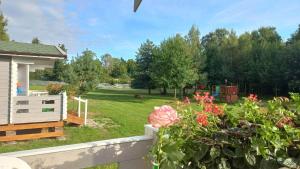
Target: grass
x,y
120,113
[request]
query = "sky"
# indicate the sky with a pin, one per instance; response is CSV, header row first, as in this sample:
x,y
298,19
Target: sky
x,y
111,26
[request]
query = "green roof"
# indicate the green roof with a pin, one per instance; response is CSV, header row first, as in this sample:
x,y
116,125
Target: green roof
x,y
19,48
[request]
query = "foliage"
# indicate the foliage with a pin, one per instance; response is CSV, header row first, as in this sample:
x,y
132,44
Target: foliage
x,y
144,61
3,30
197,53
173,65
219,137
86,69
54,89
35,41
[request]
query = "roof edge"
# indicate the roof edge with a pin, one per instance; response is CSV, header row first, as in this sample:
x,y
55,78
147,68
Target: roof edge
x,y
33,54
61,51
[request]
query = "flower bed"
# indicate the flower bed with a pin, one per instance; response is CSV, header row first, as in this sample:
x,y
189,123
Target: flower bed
x,y
251,136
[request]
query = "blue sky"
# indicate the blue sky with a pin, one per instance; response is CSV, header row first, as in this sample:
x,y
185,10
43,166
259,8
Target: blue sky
x,y
110,26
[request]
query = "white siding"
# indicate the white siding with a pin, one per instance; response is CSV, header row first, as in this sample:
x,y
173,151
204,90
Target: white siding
x,y
4,89
34,107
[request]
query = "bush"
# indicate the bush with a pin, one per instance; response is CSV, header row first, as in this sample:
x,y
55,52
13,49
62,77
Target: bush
x,y
55,89
249,137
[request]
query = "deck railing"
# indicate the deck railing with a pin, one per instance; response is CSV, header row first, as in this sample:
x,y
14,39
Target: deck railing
x,y
129,153
30,109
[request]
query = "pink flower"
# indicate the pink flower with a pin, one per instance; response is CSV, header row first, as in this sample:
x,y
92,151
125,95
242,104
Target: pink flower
x,y
186,100
163,116
252,97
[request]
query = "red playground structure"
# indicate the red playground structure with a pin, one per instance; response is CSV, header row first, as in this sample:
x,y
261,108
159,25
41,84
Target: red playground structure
x,y
228,94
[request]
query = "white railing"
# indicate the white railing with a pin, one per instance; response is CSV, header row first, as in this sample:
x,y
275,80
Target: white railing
x,y
129,153
29,109
38,93
85,101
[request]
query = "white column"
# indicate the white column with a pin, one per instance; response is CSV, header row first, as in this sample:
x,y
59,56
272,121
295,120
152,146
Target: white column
x,y
79,106
64,105
27,80
85,111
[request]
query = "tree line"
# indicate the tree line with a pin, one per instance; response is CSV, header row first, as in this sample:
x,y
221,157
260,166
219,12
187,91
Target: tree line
x,y
259,61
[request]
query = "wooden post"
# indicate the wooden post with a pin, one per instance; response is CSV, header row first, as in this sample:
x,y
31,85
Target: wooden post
x,y
85,111
79,108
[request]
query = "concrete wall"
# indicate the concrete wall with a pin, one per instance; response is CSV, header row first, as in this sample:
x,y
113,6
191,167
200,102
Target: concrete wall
x,y
129,153
4,89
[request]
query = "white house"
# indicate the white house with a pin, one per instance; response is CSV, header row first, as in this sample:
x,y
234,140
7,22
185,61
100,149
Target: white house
x,y
17,105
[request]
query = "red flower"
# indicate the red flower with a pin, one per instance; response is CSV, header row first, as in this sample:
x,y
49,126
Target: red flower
x,y
205,98
217,110
252,97
202,119
186,100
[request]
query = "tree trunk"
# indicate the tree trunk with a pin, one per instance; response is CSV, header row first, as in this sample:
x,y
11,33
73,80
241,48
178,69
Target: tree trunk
x,y
149,91
175,93
164,91
245,89
183,92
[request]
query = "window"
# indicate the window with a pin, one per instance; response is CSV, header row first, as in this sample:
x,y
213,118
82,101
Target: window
x,y
48,102
23,102
23,111
47,109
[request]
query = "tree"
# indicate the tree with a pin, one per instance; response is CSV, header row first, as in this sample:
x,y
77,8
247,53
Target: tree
x,y
87,69
220,49
173,64
60,67
3,28
292,53
35,41
119,69
266,60
197,53
63,47
144,59
131,67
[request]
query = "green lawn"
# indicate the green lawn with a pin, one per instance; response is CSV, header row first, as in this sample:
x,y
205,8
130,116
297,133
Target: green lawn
x,y
118,111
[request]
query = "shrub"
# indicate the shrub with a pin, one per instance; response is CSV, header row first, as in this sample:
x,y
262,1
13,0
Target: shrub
x,y
55,89
250,137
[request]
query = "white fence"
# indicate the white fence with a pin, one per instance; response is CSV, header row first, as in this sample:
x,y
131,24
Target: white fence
x,y
85,101
129,153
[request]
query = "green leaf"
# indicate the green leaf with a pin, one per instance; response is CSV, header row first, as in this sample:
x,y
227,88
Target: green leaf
x,y
214,152
290,162
239,163
229,152
203,149
224,164
250,158
268,164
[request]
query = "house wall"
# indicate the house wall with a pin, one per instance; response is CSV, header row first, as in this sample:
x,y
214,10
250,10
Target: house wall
x,y
31,109
4,89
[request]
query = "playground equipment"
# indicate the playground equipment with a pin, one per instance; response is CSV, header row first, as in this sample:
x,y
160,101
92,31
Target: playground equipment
x,y
228,94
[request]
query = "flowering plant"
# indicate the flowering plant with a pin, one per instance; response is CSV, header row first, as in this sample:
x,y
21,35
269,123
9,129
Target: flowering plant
x,y
208,136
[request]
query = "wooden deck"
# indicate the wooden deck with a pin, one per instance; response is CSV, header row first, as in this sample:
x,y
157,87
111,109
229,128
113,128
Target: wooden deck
x,y
18,132
74,119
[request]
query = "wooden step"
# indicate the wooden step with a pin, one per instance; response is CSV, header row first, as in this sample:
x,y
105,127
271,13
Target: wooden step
x,y
31,136
73,119
12,127
17,132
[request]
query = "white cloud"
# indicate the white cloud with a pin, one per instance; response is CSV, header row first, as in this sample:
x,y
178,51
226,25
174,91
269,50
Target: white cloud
x,y
39,18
